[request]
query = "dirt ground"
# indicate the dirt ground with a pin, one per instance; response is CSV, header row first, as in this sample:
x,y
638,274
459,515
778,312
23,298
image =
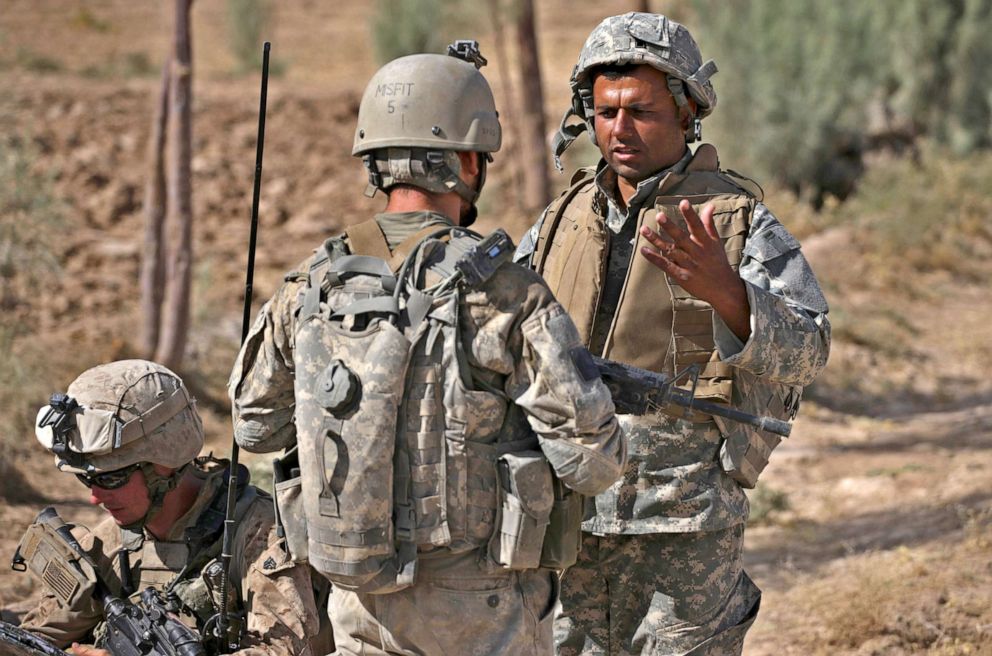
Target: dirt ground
x,y
874,534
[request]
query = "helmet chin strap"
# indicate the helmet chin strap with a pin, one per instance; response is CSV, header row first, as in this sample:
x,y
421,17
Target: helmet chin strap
x,y
158,487
472,213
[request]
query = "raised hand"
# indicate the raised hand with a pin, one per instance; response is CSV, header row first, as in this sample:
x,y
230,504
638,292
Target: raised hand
x,y
696,261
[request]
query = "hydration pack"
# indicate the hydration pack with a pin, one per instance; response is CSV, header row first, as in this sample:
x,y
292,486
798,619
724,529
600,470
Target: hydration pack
x,y
376,352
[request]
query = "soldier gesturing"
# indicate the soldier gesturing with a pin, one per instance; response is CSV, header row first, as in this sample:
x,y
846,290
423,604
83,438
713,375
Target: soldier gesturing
x,y
665,261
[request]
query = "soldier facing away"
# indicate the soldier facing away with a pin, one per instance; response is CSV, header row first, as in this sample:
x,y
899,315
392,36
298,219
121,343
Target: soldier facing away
x,y
442,421
130,431
664,260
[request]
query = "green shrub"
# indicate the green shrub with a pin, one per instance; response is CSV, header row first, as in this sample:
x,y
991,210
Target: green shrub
x,y
804,87
36,62
30,215
247,24
407,27
87,20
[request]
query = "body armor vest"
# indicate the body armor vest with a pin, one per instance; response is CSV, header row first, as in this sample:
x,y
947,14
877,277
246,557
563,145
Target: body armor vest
x,y
194,558
397,450
571,253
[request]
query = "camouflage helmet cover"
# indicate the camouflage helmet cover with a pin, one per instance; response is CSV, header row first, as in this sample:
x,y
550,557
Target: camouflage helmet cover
x,y
638,38
652,39
129,412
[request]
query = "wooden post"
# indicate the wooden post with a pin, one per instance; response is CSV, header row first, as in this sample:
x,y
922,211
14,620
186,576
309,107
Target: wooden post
x,y
175,309
508,112
153,252
533,148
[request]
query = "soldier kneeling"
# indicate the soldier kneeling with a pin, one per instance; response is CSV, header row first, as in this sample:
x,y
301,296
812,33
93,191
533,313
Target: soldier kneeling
x,y
130,432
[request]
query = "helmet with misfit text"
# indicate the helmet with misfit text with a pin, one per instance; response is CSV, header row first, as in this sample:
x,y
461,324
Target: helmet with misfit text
x,y
418,111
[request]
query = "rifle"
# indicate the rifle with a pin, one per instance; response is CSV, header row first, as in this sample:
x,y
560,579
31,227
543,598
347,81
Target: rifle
x,y
636,391
145,629
219,626
15,641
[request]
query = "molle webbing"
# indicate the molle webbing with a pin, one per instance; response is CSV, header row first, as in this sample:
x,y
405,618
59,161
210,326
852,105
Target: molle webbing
x,y
419,476
392,467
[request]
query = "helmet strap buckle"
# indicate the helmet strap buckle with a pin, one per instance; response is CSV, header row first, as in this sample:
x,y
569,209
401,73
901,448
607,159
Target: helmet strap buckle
x,y
375,178
435,159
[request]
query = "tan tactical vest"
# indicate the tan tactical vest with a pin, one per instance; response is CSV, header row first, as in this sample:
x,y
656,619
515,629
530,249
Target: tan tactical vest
x,y
158,562
657,325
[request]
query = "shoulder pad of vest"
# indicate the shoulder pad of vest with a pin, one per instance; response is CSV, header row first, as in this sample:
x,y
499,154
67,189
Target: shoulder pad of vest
x,y
744,183
295,276
582,174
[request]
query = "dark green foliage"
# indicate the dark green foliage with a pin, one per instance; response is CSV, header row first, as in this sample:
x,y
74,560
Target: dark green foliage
x,y
970,91
806,87
405,27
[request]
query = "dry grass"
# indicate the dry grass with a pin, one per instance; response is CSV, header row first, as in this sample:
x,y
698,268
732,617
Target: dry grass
x,y
930,600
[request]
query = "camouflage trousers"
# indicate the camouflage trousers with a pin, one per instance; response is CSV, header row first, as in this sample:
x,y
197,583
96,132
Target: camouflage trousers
x,y
456,607
658,594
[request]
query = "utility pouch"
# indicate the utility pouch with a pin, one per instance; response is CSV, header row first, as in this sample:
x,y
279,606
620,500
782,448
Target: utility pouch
x,y
525,499
54,562
288,499
564,535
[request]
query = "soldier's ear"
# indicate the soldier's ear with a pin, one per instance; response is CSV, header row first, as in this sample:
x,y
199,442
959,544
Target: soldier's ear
x,y
470,162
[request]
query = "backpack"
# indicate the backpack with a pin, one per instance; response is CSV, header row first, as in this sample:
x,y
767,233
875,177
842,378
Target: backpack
x,y
375,341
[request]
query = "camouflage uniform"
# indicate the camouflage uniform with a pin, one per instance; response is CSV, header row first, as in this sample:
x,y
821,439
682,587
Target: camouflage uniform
x,y
282,616
660,572
138,414
512,332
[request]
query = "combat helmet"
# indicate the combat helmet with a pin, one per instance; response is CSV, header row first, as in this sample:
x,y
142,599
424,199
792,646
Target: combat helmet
x,y
124,413
637,38
418,111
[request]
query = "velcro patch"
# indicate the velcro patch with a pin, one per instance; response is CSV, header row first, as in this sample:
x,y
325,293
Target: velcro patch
x,y
583,361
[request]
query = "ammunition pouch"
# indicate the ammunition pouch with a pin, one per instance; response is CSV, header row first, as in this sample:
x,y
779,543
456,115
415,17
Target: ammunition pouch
x,y
525,501
563,538
745,450
288,500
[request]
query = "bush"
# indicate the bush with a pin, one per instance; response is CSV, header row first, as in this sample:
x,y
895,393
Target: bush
x,y
766,502
806,88
405,27
29,216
